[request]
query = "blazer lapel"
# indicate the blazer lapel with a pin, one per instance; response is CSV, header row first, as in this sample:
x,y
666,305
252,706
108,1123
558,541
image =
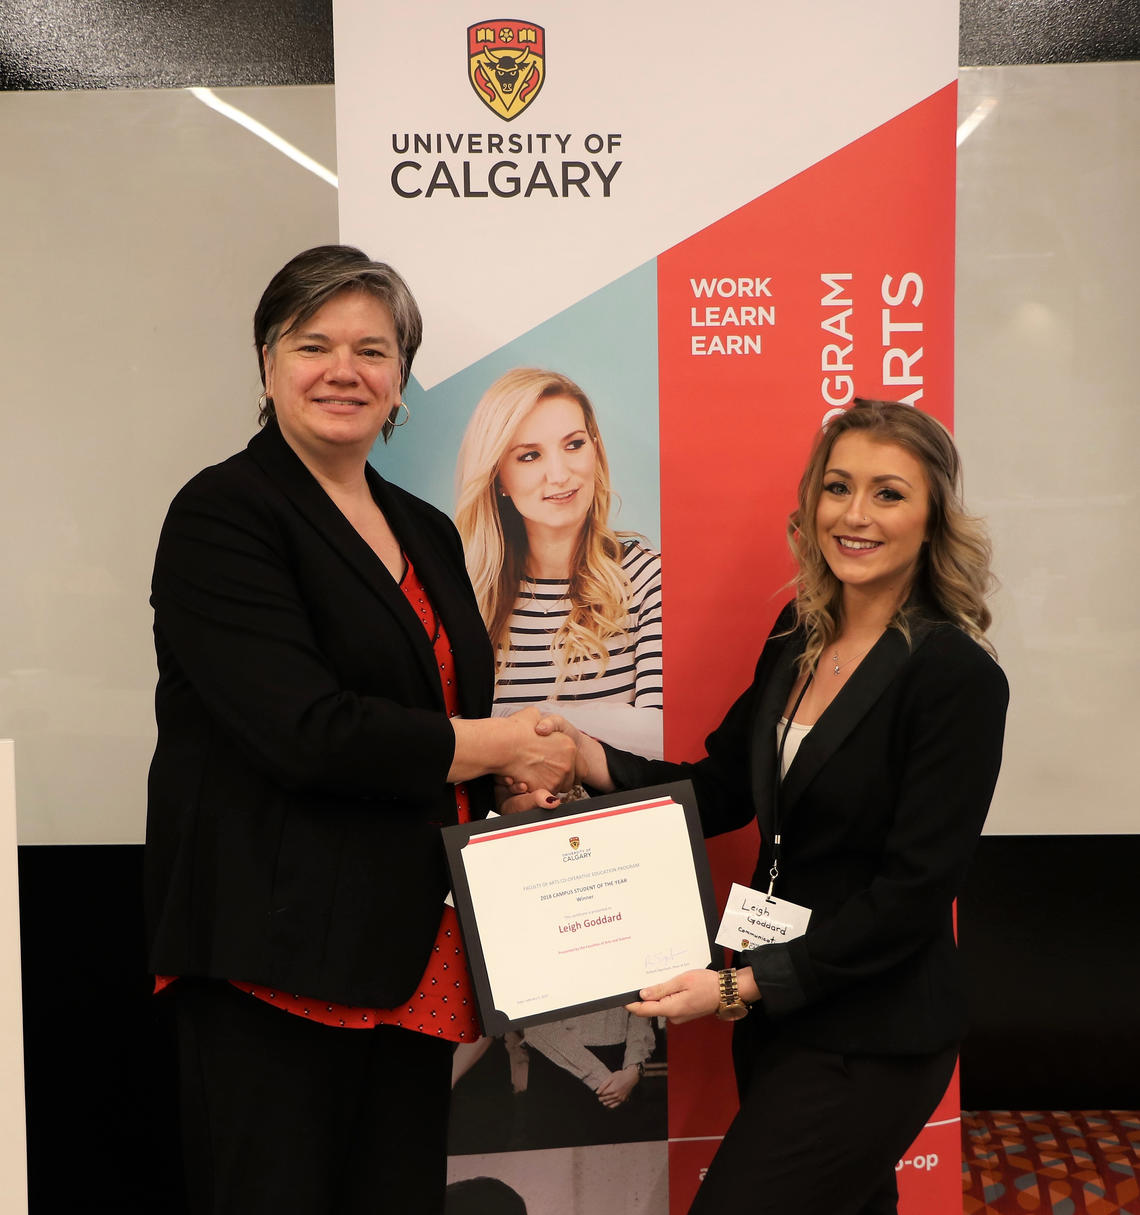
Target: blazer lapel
x,y
855,700
773,699
285,468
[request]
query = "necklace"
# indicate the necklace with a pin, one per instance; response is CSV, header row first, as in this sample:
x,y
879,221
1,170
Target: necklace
x,y
837,666
546,603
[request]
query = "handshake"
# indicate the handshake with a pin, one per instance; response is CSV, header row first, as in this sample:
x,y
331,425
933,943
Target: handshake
x,y
534,758
544,762
550,757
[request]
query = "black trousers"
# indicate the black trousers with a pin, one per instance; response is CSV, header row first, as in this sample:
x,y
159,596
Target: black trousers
x,y
819,1133
284,1115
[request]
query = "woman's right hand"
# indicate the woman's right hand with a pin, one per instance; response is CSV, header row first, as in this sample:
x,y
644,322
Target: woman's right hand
x,y
591,767
542,760
512,747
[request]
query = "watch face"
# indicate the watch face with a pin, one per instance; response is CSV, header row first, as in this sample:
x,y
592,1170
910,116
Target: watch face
x,y
732,1012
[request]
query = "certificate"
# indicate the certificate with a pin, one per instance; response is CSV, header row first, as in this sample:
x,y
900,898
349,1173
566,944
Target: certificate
x,y
571,910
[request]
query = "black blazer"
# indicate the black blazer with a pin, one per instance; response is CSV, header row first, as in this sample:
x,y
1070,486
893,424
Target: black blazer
x,y
880,812
299,780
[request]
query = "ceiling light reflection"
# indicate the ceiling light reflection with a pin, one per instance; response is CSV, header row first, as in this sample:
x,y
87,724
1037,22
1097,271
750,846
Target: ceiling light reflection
x,y
975,118
210,98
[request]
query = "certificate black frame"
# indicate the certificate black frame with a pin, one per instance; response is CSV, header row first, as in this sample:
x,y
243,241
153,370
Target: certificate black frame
x,y
456,838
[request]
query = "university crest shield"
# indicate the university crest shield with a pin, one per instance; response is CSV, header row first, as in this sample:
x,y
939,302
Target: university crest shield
x,y
574,842
506,64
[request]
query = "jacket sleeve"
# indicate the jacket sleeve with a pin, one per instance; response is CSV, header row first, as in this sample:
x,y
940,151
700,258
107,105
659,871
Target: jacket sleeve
x,y
953,721
722,779
232,629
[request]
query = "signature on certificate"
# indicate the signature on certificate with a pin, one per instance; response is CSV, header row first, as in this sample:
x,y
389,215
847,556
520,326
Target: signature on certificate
x,y
665,959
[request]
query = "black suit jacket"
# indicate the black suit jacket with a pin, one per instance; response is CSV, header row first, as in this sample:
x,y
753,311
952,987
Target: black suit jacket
x,y
299,780
879,814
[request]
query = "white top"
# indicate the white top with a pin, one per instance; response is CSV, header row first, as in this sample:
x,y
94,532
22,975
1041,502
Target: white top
x,y
796,734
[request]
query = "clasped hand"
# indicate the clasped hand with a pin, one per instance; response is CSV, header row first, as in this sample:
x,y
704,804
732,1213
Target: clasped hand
x,y
520,793
541,765
616,1090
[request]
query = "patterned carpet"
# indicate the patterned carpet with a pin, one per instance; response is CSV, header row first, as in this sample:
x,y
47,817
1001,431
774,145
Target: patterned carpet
x,y
1059,1163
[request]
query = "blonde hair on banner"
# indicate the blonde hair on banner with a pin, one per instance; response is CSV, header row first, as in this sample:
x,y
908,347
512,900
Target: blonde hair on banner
x,y
954,566
494,534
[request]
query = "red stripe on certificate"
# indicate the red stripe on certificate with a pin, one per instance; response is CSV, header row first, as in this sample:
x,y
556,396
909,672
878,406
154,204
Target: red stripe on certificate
x,y
488,836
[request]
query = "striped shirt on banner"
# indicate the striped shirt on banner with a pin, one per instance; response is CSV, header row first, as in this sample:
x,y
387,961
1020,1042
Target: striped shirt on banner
x,y
633,673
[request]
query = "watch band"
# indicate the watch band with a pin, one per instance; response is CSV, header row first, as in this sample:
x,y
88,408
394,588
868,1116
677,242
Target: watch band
x,y
731,1006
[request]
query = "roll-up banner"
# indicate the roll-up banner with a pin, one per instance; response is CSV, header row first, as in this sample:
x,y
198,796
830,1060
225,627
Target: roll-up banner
x,y
715,225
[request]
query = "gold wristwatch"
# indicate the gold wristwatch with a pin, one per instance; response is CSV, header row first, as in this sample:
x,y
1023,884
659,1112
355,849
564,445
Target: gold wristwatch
x,y
731,1006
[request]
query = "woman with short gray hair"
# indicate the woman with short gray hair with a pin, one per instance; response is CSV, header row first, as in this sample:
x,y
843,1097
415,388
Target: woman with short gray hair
x,y
323,709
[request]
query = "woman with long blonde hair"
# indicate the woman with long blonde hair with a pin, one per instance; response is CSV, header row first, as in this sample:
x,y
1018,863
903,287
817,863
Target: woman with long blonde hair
x,y
866,750
573,607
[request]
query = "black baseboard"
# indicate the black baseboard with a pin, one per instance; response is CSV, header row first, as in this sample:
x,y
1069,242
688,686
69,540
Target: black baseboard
x,y
1048,927
99,1060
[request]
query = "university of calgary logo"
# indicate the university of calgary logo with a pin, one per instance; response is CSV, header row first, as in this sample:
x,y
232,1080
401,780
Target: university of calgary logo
x,y
506,63
575,840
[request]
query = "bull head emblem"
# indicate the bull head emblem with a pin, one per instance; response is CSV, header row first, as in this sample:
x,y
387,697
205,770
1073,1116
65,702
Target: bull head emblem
x,y
506,64
507,68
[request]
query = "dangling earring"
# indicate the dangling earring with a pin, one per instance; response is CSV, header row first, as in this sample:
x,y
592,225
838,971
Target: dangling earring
x,y
396,414
262,401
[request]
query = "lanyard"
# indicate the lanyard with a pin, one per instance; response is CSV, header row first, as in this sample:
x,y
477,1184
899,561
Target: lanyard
x,y
777,786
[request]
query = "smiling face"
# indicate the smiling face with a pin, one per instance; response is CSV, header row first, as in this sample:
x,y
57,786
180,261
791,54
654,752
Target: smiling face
x,y
872,515
549,467
336,377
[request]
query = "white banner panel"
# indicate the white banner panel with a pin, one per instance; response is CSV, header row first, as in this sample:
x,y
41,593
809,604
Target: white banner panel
x,y
720,224
652,121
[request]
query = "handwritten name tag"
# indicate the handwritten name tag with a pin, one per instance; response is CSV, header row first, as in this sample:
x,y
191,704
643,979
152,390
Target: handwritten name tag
x,y
752,918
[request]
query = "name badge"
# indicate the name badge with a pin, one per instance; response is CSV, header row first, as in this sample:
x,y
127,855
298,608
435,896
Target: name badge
x,y
752,918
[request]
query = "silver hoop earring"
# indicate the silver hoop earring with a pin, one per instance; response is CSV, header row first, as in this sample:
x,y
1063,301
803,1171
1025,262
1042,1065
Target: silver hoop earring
x,y
262,401
396,414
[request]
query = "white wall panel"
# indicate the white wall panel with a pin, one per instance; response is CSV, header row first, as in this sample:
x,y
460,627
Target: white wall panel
x,y
139,233
1047,419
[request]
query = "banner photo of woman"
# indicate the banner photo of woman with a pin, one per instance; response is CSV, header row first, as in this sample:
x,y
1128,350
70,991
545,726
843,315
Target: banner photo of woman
x,y
573,609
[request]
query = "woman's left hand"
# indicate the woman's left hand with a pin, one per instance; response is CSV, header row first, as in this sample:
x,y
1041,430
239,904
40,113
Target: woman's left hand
x,y
508,799
685,997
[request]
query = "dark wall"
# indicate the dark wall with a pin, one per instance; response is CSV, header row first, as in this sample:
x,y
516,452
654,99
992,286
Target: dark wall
x,y
1047,31
163,44
58,44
